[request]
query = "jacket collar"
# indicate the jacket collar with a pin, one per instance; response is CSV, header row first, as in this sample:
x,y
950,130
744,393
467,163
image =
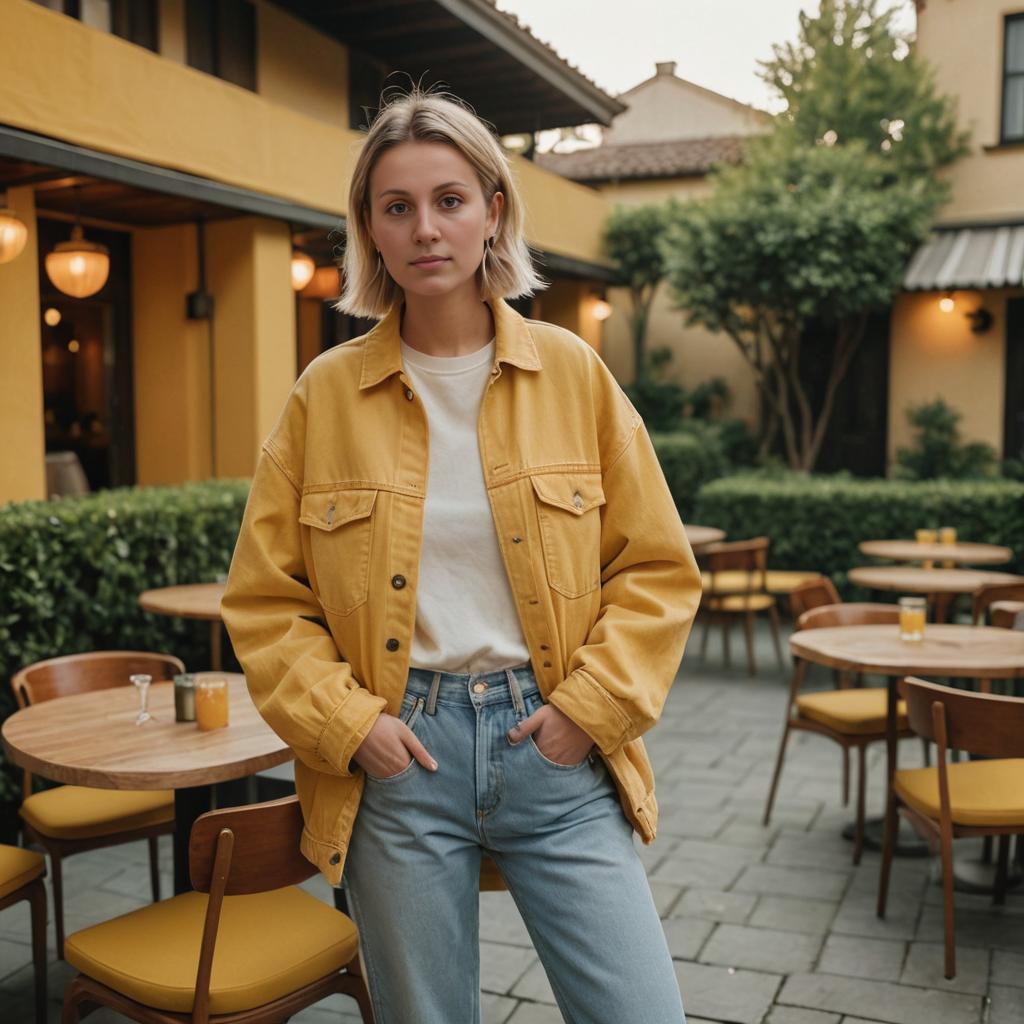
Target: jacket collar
x,y
382,355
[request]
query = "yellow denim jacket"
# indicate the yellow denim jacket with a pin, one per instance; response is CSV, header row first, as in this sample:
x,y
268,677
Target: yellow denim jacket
x,y
320,601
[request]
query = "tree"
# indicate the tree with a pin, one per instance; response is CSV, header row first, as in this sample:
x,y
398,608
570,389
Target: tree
x,y
819,222
632,237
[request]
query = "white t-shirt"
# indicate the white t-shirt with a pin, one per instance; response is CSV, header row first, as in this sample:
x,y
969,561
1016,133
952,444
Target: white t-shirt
x,y
466,618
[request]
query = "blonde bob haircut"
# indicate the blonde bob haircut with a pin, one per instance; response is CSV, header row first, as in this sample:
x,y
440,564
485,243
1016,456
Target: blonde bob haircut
x,y
506,267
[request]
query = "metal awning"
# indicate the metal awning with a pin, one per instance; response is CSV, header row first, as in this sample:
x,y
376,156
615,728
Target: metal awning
x,y
969,257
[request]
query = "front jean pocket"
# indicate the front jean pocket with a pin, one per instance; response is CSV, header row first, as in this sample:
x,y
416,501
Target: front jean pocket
x,y
569,515
534,701
340,537
411,708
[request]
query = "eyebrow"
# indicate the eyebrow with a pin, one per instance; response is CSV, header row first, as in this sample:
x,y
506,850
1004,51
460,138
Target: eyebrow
x,y
402,192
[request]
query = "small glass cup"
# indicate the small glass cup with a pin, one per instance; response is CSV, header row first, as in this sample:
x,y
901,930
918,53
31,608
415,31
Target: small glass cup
x,y
912,614
211,702
925,536
185,697
142,681
947,535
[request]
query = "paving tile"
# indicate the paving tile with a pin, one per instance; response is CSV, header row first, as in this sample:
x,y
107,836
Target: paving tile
x,y
761,949
665,895
717,851
713,905
1007,1005
686,936
790,881
534,985
501,966
724,994
925,965
825,850
787,913
1007,968
697,874
897,1004
795,1015
535,1013
859,957
995,929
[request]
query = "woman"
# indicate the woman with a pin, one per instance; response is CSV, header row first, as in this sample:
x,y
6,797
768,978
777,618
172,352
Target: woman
x,y
461,593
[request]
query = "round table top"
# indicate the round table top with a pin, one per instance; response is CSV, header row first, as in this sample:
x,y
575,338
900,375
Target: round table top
x,y
91,739
911,551
972,652
916,580
701,536
187,601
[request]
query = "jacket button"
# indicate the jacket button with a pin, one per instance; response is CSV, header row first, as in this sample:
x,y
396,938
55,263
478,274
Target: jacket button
x,y
398,582
577,500
392,644
517,540
408,393
335,858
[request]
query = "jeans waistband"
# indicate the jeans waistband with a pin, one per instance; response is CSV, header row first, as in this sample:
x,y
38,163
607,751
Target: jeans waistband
x,y
502,686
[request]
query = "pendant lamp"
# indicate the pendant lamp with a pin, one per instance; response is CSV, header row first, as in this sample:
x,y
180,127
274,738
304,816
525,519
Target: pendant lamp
x,y
77,267
13,235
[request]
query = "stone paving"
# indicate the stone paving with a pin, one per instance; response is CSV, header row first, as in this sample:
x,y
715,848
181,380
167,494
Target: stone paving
x,y
766,925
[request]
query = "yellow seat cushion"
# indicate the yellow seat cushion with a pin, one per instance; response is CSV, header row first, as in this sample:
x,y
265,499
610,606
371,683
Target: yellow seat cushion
x,y
18,867
980,792
777,581
740,603
81,812
268,944
786,581
853,712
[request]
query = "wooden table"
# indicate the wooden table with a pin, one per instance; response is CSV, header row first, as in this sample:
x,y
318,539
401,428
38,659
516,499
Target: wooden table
x,y
701,536
962,552
91,739
947,651
940,585
190,601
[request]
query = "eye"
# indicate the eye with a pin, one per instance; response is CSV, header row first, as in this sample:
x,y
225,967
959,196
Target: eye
x,y
393,205
453,196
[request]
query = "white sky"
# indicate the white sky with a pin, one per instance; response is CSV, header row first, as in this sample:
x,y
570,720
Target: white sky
x,y
715,43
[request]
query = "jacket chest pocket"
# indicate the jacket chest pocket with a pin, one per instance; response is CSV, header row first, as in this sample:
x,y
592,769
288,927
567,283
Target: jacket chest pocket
x,y
569,514
340,539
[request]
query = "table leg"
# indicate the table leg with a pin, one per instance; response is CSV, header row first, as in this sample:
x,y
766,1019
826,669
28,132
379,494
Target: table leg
x,y
189,803
215,628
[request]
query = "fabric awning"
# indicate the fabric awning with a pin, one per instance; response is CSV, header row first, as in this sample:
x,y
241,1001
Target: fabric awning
x,y
979,257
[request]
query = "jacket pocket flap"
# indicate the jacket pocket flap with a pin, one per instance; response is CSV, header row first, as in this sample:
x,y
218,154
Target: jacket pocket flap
x,y
575,492
328,510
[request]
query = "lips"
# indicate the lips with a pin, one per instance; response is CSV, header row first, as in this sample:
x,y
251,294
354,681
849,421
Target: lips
x,y
421,262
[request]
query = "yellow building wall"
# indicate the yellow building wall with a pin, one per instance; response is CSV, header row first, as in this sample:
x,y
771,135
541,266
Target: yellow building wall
x,y
935,355
697,354
249,268
570,304
23,465
171,359
963,40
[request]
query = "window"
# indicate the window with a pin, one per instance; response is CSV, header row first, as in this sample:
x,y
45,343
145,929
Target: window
x,y
1013,80
221,39
134,20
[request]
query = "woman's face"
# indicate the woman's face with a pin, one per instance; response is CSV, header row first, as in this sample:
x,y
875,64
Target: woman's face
x,y
426,200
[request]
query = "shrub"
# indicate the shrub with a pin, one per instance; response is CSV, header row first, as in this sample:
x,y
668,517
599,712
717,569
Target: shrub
x,y
938,450
689,460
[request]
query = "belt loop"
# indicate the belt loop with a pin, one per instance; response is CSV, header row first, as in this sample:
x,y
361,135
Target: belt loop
x,y
517,694
432,696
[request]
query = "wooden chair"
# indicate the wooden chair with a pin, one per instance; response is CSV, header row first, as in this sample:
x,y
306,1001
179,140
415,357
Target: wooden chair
x,y
741,593
248,946
21,878
65,820
968,798
812,594
999,602
853,718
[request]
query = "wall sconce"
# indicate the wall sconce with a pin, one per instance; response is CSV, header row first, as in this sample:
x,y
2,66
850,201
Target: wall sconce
x,y
980,318
602,308
946,303
303,269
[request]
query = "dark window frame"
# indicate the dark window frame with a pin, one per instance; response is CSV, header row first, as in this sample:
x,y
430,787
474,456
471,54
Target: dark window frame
x,y
221,40
135,21
1005,139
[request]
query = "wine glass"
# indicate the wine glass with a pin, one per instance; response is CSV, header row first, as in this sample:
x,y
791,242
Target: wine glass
x,y
142,681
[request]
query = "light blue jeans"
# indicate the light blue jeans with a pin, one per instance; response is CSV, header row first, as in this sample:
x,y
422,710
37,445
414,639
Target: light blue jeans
x,y
559,837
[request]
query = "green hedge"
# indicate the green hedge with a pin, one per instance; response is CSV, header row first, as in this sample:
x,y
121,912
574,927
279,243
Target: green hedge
x,y
71,571
816,522
689,460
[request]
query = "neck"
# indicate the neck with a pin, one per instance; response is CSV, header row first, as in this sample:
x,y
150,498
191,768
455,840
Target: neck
x,y
456,324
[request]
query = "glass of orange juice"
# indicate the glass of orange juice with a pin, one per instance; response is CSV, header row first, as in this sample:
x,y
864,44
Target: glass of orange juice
x,y
925,536
947,535
211,702
912,618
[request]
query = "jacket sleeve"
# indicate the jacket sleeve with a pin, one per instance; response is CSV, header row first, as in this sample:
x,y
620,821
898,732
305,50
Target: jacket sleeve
x,y
618,681
300,683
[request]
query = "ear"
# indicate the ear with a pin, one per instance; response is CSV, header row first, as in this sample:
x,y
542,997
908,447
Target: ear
x,y
494,214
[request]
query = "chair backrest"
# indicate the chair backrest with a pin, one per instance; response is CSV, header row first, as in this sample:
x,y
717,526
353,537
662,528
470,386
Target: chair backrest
x,y
980,723
748,557
82,673
988,594
812,594
1005,616
265,852
856,613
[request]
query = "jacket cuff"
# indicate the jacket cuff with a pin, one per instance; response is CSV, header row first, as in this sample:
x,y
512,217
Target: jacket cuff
x,y
348,726
586,703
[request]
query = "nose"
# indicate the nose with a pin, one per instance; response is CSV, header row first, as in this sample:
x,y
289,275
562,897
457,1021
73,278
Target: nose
x,y
425,225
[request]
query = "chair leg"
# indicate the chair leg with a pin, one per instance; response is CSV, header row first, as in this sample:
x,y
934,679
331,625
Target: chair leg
x,y
888,846
946,848
704,634
986,850
154,868
846,776
858,842
58,901
726,630
1002,865
37,903
775,775
748,630
773,614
